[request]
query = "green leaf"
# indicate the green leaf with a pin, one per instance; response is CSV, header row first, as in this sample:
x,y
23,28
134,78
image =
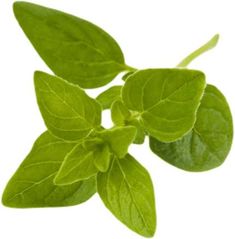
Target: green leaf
x,y
78,165
206,47
73,48
140,133
121,116
32,184
119,139
166,100
102,157
208,144
127,191
124,77
119,113
107,97
68,112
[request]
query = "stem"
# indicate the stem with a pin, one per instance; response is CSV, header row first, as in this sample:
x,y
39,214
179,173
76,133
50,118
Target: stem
x,y
206,47
130,68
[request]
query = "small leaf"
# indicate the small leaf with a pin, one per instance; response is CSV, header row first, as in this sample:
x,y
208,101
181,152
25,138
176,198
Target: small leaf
x,y
166,100
107,97
206,47
121,116
68,112
77,166
119,139
127,191
119,113
140,133
127,75
73,48
32,184
209,142
102,158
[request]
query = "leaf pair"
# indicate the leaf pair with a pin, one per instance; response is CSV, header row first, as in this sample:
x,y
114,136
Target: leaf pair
x,y
207,145
32,184
93,155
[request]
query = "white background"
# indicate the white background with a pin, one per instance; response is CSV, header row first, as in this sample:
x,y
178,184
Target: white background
x,y
151,33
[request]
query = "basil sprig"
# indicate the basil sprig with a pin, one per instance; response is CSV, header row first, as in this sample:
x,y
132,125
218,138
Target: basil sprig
x,y
189,123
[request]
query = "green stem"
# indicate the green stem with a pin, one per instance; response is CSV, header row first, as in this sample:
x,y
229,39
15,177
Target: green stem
x,y
206,47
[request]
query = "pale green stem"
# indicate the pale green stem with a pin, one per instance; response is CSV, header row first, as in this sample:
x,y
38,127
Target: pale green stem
x,y
206,47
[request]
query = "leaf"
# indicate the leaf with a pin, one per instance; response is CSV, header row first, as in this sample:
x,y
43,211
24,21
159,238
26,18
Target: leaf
x,y
119,139
206,47
102,157
73,48
209,142
127,191
32,184
165,100
125,76
68,112
107,97
121,116
119,113
140,133
78,165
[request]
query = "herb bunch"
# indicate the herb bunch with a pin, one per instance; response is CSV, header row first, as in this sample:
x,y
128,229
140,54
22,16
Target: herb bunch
x,y
188,122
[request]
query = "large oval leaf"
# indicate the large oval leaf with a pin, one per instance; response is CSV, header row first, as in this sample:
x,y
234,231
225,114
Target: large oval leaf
x,y
166,100
127,191
32,184
208,144
73,48
68,112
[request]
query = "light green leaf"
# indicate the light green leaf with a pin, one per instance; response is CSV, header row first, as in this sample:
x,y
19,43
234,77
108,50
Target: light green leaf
x,y
68,112
119,113
206,47
127,191
73,48
140,133
166,100
32,184
107,97
78,165
121,116
208,144
102,157
119,139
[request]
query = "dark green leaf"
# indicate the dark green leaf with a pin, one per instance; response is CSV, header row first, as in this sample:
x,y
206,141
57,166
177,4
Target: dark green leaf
x,y
127,75
73,48
119,139
166,100
68,112
107,97
208,144
32,184
127,191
